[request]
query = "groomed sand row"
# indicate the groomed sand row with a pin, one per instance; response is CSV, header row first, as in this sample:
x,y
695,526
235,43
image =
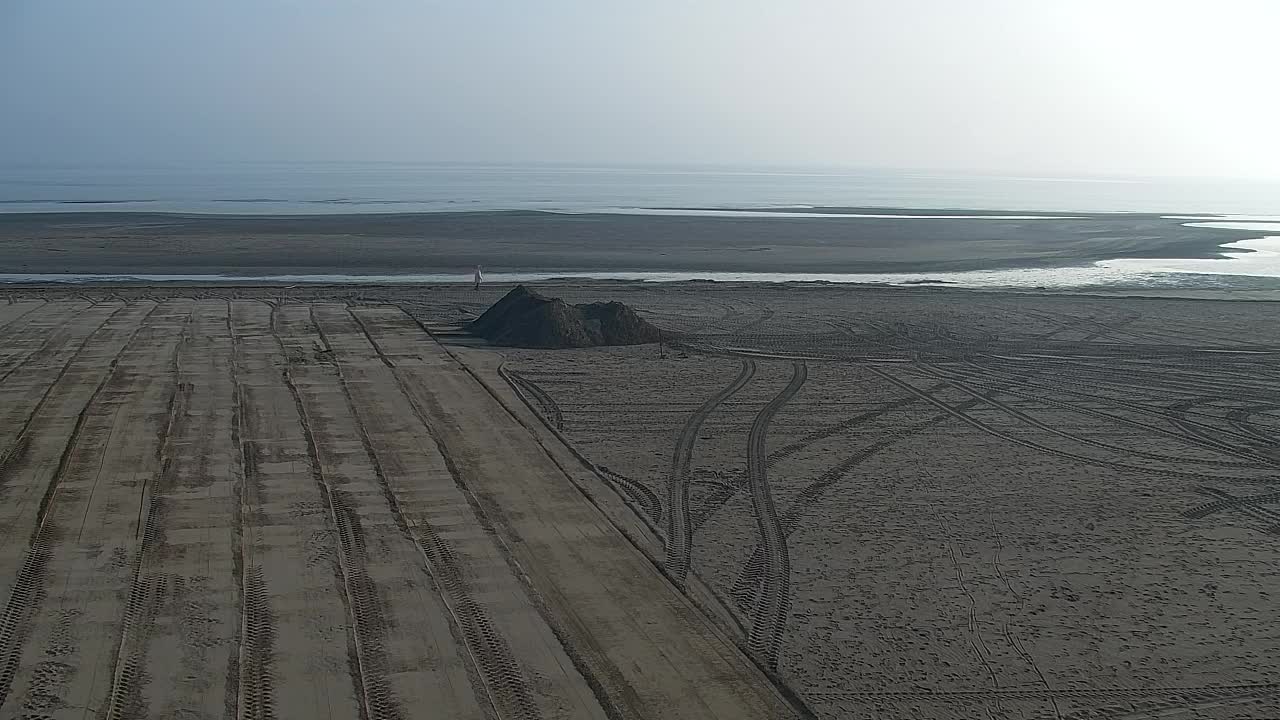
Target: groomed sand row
x,y
249,509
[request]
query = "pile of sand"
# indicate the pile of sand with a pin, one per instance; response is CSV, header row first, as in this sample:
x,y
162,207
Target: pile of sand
x,y
523,318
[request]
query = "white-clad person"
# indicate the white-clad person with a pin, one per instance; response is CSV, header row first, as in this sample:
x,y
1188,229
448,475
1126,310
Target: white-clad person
x,y
479,278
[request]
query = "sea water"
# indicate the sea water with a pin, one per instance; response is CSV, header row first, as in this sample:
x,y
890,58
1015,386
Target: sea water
x,y
307,188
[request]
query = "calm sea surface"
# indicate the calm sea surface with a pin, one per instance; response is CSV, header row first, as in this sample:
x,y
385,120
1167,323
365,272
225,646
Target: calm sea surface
x,y
252,188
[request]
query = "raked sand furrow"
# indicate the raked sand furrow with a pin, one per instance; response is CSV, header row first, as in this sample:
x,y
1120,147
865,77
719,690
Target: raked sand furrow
x,y
88,532
294,649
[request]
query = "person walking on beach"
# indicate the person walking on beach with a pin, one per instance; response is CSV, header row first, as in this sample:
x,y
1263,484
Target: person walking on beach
x,y
479,278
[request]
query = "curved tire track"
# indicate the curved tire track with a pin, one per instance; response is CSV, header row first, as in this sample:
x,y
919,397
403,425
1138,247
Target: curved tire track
x,y
1014,412
967,419
745,586
549,408
773,606
1177,419
1250,506
1239,419
636,492
725,491
679,527
1196,441
643,500
1225,503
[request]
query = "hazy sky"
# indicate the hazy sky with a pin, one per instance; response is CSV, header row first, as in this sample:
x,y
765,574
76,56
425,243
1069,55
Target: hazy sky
x,y
1040,87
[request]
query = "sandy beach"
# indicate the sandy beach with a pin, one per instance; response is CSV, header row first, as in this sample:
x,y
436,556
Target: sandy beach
x,y
809,501
139,243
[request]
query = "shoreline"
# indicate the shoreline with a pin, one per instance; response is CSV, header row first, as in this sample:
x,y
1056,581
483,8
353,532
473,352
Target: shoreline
x,y
638,211
1066,278
395,293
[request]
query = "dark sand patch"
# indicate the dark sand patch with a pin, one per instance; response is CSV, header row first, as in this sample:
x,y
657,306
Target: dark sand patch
x,y
158,243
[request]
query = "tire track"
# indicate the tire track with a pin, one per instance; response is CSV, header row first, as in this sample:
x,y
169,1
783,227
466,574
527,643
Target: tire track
x,y
509,692
731,312
968,420
745,587
1226,502
1244,376
1118,328
1239,419
11,461
1130,380
646,501
16,454
979,645
251,680
255,692
721,496
52,336
773,606
124,698
550,409
679,527
366,623
1200,436
1049,693
1083,379
1166,416
725,491
1178,416
1196,441
28,588
4,328
1246,505
1013,412
637,492
1155,691
831,431
1143,334
766,314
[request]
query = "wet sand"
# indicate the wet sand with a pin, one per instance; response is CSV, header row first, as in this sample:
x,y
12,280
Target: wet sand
x,y
141,243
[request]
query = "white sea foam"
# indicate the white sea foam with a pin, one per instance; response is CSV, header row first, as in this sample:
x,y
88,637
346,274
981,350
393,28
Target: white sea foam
x,y
710,212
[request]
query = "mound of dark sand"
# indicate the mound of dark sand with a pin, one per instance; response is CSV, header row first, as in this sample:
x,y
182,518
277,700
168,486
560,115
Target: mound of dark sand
x,y
523,318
